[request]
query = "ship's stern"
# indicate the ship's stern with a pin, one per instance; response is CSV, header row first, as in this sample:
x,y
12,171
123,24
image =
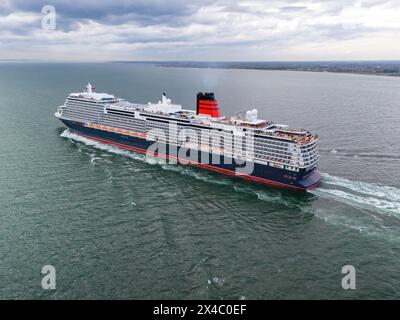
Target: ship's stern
x,y
310,181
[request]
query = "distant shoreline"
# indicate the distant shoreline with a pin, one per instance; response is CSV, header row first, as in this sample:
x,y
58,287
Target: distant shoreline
x,y
295,70
375,68
316,69
372,68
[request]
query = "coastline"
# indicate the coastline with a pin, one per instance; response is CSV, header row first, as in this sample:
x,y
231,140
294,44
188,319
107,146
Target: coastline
x,y
372,68
365,73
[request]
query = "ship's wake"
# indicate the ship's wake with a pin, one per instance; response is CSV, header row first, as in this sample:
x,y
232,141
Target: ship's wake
x,y
363,195
378,206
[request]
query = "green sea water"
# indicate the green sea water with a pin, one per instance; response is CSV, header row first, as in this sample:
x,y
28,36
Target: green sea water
x,y
116,225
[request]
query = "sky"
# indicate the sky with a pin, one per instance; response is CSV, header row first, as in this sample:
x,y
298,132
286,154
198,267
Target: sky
x,y
200,30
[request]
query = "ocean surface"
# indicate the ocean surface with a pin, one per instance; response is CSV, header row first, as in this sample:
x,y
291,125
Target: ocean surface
x,y
116,225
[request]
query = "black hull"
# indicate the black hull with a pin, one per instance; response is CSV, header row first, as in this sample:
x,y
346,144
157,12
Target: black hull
x,y
261,173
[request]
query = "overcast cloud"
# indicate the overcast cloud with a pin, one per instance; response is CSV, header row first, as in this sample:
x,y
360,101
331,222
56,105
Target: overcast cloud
x,y
202,30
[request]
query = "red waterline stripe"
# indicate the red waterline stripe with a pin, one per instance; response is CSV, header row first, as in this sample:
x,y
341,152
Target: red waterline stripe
x,y
246,176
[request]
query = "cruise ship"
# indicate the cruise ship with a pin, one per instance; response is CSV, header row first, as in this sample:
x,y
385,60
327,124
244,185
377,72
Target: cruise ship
x,y
241,145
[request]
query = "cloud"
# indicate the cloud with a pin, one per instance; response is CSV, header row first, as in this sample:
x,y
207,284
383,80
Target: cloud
x,y
202,30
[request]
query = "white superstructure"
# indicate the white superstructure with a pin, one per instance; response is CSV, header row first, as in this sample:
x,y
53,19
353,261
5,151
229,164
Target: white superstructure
x,y
272,144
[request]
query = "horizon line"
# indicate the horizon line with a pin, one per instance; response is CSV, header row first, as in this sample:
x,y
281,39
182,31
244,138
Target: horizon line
x,y
196,61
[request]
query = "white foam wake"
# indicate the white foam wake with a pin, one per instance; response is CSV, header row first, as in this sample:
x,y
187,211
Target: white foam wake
x,y
368,203
376,190
363,195
378,205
